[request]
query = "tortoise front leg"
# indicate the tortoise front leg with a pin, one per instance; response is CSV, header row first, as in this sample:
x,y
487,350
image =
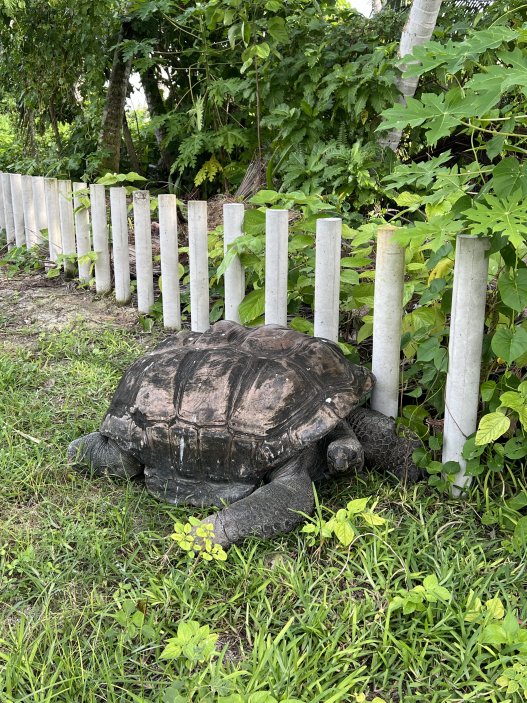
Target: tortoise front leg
x,y
271,509
344,453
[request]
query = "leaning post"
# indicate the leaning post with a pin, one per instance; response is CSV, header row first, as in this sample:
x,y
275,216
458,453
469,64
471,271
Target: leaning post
x,y
103,276
387,314
121,252
276,266
39,200
82,229
53,217
234,276
198,265
18,209
8,210
168,244
28,202
143,251
327,277
67,225
464,351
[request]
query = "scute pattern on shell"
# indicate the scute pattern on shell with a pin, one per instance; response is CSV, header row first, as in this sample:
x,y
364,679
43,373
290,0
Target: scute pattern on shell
x,y
232,403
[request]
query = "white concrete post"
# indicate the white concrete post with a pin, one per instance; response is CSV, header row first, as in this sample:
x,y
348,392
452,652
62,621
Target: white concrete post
x,y
276,241
199,265
99,223
29,211
167,207
18,209
387,319
2,209
234,276
8,209
66,224
327,278
82,230
39,201
464,350
53,217
143,251
121,252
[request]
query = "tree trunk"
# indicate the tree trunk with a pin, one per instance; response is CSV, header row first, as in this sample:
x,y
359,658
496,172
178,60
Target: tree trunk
x,y
156,108
130,148
112,121
417,30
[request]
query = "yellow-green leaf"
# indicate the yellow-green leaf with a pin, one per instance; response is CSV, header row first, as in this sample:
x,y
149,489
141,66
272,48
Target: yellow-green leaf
x,y
491,426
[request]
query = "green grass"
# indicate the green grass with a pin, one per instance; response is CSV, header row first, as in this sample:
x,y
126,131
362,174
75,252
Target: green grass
x,y
92,587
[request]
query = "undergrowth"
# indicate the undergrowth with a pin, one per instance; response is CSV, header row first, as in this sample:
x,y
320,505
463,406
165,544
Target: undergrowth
x,y
99,604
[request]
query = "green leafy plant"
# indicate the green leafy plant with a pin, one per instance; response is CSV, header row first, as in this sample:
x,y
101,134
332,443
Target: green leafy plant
x,y
194,644
21,259
346,524
197,540
421,598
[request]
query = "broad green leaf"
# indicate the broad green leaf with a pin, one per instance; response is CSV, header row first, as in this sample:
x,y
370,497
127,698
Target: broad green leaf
x,y
357,505
252,306
172,649
261,697
372,519
430,581
493,634
344,532
510,626
508,177
495,608
487,389
492,426
277,29
513,289
516,401
502,216
349,277
265,197
509,344
519,537
407,199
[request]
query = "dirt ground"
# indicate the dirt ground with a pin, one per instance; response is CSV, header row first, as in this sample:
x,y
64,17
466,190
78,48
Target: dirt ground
x,y
32,303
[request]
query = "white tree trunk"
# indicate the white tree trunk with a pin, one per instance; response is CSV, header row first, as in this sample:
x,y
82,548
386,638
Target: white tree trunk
x,y
417,30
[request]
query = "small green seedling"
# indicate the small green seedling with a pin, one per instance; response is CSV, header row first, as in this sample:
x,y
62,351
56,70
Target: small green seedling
x,y
194,643
420,598
345,524
197,539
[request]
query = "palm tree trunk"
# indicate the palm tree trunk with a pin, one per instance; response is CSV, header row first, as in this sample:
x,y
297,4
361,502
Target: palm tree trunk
x,y
417,30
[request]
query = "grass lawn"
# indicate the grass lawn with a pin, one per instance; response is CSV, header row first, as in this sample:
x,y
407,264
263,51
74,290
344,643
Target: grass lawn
x,y
92,588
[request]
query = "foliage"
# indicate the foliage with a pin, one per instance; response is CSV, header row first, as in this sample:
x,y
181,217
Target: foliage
x,y
420,598
481,191
197,539
346,524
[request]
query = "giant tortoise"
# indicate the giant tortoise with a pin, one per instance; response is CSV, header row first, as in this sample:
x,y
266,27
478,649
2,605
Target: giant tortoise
x,y
244,419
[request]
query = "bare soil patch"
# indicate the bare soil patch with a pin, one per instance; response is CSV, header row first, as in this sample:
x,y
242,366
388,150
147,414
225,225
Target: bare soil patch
x,y
31,304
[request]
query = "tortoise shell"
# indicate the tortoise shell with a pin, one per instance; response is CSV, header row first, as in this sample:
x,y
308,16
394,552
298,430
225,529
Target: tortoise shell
x,y
209,415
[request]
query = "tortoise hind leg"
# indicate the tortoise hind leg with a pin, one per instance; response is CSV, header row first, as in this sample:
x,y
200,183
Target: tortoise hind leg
x,y
271,509
101,454
384,450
